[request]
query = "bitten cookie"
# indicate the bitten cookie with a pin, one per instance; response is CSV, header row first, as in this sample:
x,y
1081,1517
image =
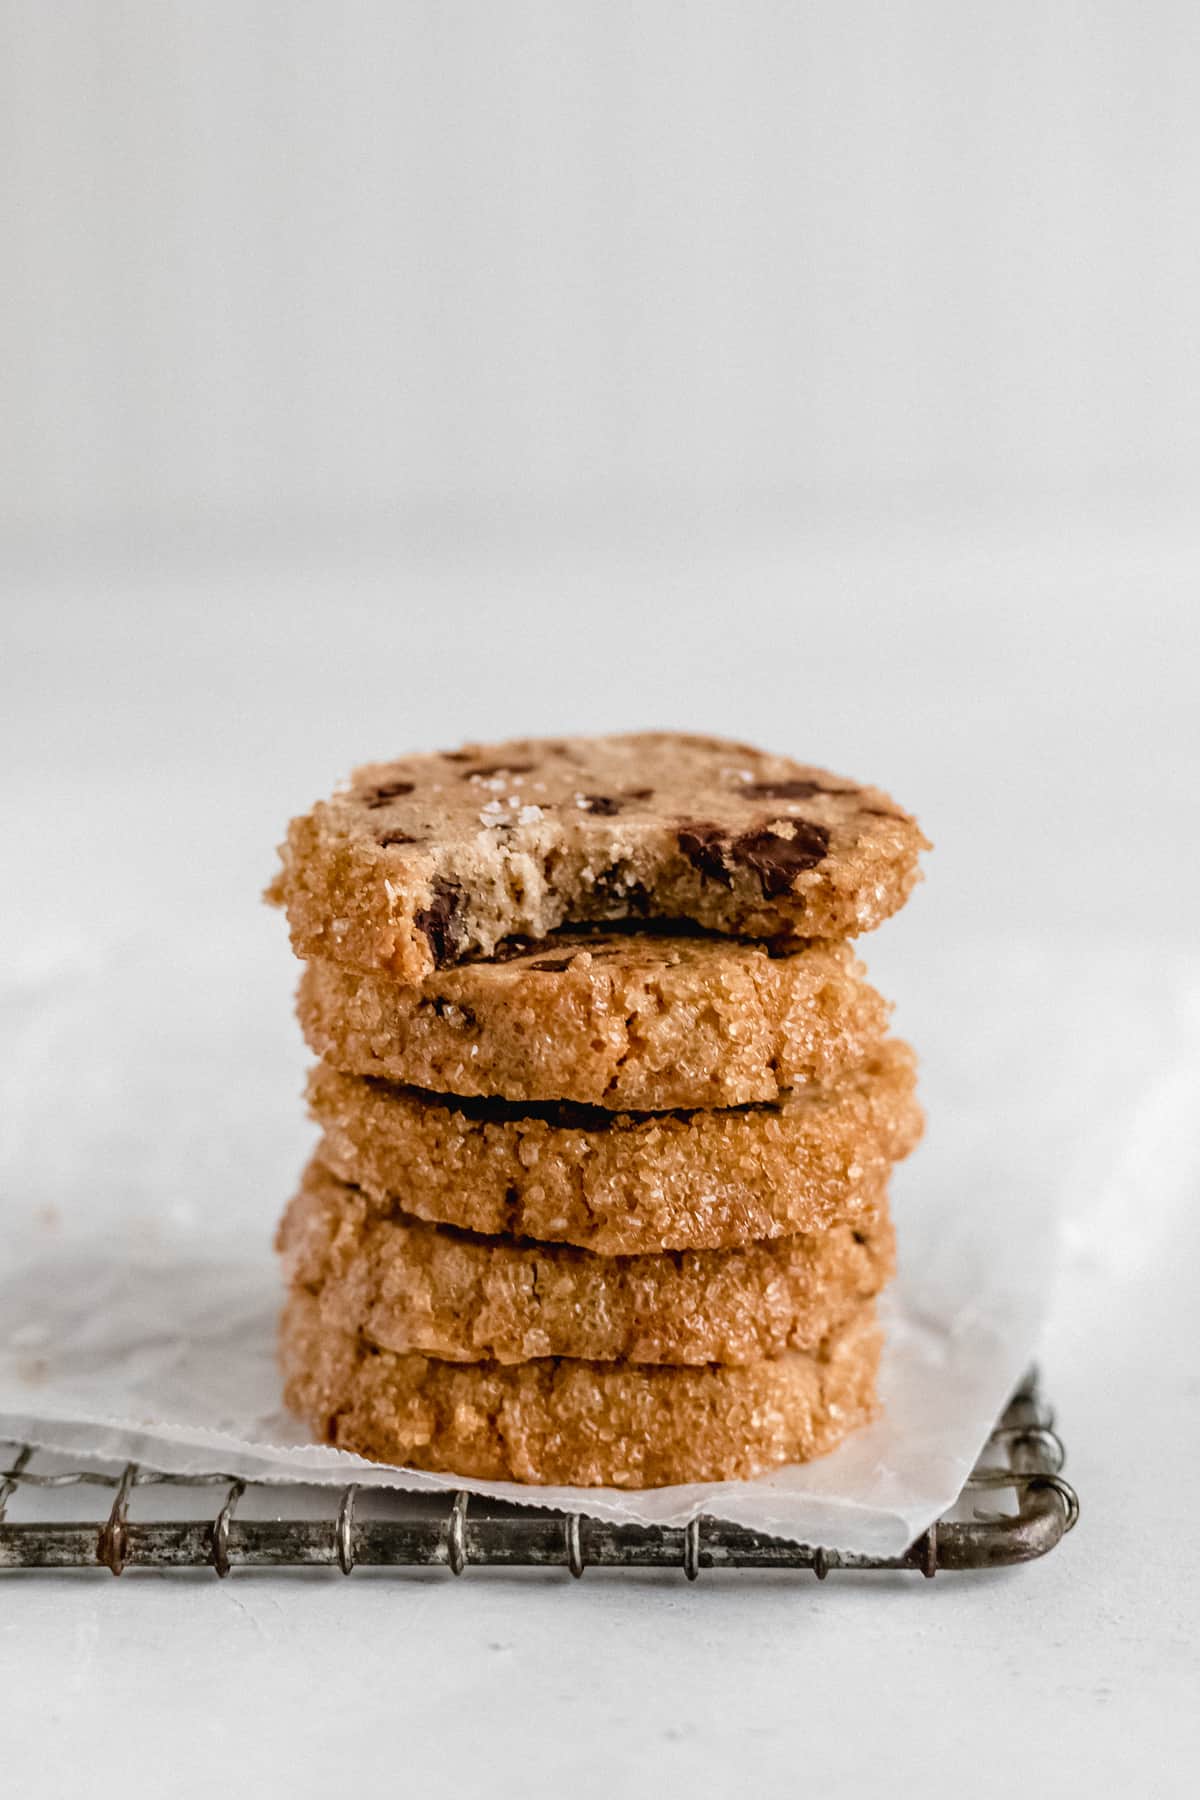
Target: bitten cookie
x,y
406,1286
620,1183
578,1424
427,860
631,1019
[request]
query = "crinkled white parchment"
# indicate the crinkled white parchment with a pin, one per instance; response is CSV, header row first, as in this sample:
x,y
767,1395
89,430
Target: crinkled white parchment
x,y
151,1128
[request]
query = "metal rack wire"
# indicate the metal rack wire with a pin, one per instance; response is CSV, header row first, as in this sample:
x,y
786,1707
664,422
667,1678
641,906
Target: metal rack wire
x,y
1023,1456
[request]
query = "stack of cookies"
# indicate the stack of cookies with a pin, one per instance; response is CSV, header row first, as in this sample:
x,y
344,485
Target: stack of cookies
x,y
608,1110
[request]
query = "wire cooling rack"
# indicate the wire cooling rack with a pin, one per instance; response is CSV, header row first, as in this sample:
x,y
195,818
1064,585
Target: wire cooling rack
x,y
323,1528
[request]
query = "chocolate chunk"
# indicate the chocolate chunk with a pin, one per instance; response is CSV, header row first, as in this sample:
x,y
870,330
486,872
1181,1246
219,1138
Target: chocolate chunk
x,y
602,805
439,921
387,839
383,792
774,856
487,770
613,887
789,790
510,948
725,746
706,847
777,859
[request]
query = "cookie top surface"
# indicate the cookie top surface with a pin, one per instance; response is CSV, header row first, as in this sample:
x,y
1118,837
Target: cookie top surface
x,y
431,859
639,1019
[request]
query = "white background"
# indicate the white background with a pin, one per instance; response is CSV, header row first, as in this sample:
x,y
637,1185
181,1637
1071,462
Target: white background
x,y
270,267
379,376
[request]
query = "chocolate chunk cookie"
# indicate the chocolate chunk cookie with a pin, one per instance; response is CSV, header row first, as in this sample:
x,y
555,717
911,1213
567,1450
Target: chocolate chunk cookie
x,y
625,1183
406,1286
637,1020
577,1424
423,862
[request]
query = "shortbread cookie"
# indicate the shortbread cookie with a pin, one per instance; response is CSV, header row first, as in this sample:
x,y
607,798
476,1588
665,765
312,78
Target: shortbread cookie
x,y
405,1285
633,1019
620,1183
428,860
577,1424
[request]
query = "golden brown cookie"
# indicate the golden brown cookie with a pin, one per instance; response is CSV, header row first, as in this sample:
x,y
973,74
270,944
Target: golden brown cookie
x,y
621,1183
578,1424
406,1285
427,860
622,1019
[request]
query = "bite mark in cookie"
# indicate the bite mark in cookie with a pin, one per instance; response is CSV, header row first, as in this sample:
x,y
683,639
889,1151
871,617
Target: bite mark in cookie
x,y
520,839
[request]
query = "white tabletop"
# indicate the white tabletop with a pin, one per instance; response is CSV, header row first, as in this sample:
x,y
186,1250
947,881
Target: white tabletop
x,y
1034,698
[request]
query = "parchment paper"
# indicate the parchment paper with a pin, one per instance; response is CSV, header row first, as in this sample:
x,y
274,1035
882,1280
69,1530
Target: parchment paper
x,y
150,1130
